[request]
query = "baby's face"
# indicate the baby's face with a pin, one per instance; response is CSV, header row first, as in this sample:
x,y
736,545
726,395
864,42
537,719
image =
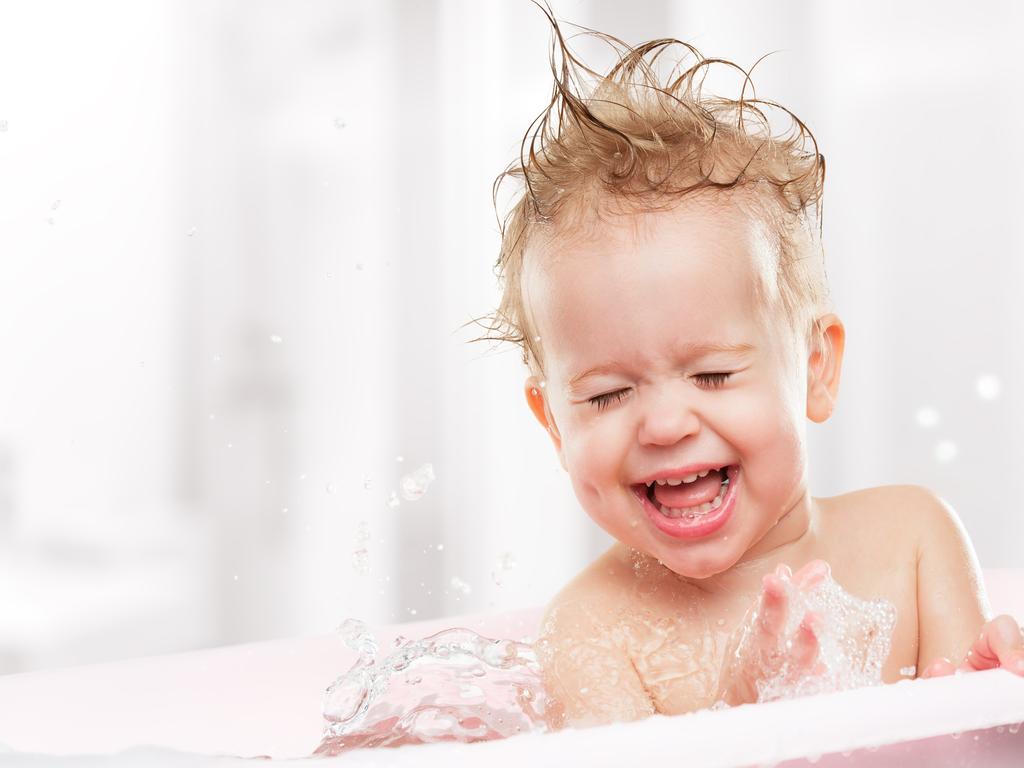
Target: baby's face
x,y
664,361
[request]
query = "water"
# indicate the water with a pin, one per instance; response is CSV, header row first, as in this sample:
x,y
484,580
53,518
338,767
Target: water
x,y
854,640
452,686
415,484
459,686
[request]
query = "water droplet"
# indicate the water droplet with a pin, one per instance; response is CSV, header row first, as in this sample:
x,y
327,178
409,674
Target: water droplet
x,y
1014,728
212,416
945,451
329,488
988,386
393,500
908,671
412,611
720,622
460,586
536,338
191,232
339,123
231,445
217,358
362,531
543,384
584,690
955,734
284,510
235,577
302,476
634,523
366,482
927,416
415,484
440,547
276,339
361,560
399,459
55,206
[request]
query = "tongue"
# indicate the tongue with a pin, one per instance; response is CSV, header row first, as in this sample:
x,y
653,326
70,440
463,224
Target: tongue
x,y
701,490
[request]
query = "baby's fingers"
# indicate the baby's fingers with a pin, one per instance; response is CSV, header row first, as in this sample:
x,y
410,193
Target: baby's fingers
x,y
805,642
773,609
812,574
1000,644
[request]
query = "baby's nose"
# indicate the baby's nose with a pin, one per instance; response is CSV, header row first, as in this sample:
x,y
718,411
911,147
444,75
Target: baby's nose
x,y
666,419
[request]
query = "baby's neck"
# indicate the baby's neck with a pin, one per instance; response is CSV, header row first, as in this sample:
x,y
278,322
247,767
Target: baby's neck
x,y
790,541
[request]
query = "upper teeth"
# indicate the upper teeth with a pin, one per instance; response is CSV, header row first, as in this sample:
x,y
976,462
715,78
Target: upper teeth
x,y
681,480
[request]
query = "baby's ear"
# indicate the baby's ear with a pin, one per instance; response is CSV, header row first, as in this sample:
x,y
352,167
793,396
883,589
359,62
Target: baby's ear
x,y
823,367
539,407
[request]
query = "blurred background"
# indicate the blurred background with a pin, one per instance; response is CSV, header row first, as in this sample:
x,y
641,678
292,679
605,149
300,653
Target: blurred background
x,y
238,241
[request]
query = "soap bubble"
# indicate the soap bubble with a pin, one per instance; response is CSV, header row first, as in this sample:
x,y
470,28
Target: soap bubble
x,y
945,451
415,484
927,417
393,500
988,386
908,671
460,586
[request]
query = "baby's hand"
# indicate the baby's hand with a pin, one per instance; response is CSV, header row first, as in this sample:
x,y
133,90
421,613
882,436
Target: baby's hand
x,y
763,650
1000,644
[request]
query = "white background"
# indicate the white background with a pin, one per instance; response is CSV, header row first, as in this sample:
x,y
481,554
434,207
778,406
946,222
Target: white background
x,y
182,180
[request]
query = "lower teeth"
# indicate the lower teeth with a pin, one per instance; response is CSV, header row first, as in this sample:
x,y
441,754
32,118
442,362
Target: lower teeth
x,y
692,513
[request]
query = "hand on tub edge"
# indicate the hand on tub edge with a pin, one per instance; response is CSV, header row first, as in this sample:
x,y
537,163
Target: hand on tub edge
x,y
1000,644
761,651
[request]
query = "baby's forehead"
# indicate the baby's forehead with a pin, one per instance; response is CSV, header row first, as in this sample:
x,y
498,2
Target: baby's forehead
x,y
724,230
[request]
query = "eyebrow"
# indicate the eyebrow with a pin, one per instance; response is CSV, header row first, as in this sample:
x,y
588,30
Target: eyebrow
x,y
688,350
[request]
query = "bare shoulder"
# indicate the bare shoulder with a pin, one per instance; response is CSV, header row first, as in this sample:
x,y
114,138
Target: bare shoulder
x,y
908,516
587,671
594,597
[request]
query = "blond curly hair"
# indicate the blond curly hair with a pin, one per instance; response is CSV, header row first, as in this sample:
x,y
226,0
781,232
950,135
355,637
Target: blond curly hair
x,y
633,140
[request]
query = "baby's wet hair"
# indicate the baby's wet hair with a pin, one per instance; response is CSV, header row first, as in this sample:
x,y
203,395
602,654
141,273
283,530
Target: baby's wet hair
x,y
640,138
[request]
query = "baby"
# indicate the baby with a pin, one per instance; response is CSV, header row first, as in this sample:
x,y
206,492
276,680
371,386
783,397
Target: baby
x,y
663,274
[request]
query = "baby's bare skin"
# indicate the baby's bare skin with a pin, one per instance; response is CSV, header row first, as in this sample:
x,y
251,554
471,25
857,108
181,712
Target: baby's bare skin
x,y
665,355
670,636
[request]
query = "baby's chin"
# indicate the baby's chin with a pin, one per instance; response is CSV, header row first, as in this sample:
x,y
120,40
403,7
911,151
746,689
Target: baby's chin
x,y
692,566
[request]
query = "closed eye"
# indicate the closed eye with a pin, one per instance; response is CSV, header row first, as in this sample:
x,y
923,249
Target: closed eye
x,y
712,380
706,380
602,401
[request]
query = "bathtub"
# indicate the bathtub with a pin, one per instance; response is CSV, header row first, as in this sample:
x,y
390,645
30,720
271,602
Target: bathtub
x,y
264,699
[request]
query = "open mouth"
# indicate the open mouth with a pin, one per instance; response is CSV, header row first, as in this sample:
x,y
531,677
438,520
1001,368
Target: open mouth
x,y
690,496
694,505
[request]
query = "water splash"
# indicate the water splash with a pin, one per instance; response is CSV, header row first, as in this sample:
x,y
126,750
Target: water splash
x,y
854,641
452,686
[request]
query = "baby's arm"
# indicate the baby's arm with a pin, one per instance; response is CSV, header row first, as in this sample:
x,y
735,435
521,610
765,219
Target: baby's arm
x,y
587,674
955,625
